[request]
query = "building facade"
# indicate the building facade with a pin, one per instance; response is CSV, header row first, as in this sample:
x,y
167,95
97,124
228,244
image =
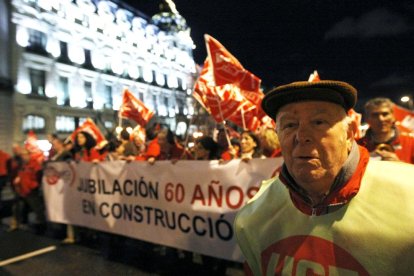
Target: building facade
x,y
64,61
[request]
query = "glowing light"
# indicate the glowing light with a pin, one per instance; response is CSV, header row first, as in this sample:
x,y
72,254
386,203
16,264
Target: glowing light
x,y
44,145
133,71
117,66
129,130
118,129
98,60
181,128
24,86
76,53
53,47
197,134
172,81
45,4
160,79
405,99
171,112
183,85
148,75
22,37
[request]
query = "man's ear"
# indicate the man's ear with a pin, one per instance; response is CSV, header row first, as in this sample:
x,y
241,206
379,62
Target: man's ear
x,y
350,135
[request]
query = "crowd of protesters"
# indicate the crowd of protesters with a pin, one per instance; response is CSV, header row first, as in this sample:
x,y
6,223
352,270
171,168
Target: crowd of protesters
x,y
384,139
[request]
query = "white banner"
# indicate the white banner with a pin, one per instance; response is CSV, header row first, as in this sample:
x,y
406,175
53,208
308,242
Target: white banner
x,y
189,205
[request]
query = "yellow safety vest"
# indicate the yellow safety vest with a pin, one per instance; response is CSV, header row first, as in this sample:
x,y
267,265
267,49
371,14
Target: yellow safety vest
x,y
372,235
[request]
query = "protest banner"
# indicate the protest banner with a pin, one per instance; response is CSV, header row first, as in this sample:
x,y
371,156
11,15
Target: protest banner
x,y
190,205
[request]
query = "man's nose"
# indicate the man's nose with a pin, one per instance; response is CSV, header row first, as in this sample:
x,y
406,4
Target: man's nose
x,y
303,134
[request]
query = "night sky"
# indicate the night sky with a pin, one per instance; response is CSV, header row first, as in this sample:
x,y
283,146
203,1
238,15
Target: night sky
x,y
369,44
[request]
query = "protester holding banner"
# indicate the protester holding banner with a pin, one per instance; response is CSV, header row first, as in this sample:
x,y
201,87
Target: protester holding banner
x,y
59,151
331,210
383,139
84,147
139,138
206,148
165,147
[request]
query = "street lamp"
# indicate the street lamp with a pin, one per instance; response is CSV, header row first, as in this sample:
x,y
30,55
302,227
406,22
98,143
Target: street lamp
x,y
408,100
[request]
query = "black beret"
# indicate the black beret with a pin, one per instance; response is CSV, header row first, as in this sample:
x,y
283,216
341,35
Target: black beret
x,y
337,92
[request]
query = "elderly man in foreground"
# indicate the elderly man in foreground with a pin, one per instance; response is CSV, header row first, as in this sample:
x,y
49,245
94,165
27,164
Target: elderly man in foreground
x,y
331,211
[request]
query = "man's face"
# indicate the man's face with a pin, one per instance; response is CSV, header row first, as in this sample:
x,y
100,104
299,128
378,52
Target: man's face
x,y
380,119
315,142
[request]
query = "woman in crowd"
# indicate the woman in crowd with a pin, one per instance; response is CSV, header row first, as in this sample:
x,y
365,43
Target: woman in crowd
x,y
84,148
250,146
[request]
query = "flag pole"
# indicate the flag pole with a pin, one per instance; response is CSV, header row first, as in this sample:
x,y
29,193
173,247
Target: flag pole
x,y
206,39
243,120
223,122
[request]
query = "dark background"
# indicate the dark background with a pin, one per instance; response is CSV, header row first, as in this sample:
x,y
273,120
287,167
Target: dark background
x,y
369,44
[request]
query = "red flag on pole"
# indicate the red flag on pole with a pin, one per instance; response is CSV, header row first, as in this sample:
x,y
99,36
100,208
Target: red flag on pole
x,y
226,89
219,101
227,69
134,109
90,127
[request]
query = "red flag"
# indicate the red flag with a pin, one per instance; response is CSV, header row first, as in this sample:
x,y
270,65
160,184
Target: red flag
x,y
404,116
227,69
220,101
89,127
134,109
224,86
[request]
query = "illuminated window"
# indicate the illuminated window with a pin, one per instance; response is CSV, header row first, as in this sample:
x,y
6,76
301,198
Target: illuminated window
x,y
37,80
154,101
87,86
76,53
159,78
37,40
53,47
63,52
34,122
108,96
65,124
63,96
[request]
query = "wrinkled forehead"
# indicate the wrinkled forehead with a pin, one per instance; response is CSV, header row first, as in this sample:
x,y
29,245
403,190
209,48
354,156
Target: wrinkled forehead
x,y
310,108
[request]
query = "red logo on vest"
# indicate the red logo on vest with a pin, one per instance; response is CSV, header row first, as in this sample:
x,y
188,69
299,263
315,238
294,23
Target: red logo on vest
x,y
309,255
